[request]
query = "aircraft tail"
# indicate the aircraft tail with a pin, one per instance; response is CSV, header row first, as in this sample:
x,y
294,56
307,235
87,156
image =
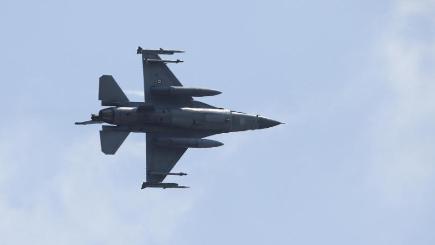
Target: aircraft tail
x,y
110,93
111,139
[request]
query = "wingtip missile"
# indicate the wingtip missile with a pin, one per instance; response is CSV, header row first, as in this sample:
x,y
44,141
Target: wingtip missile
x,y
140,50
162,185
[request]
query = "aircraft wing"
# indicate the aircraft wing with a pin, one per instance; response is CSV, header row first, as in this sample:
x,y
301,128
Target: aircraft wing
x,y
157,74
160,159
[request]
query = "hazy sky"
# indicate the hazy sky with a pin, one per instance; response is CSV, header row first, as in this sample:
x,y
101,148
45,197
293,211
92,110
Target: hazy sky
x,y
354,81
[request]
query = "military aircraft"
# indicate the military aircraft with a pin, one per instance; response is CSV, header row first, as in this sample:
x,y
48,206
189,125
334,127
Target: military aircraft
x,y
172,120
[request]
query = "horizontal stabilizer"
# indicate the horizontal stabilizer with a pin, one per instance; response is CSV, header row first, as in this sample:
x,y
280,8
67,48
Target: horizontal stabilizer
x,y
110,93
111,139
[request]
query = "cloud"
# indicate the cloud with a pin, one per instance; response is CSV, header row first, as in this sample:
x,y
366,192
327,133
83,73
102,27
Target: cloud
x,y
406,8
135,93
404,159
70,193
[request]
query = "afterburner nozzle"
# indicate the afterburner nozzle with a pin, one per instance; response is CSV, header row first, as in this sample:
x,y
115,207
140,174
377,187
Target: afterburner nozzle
x,y
95,117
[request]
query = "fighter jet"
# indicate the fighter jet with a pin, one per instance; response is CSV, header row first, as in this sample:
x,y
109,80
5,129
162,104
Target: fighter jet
x,y
171,119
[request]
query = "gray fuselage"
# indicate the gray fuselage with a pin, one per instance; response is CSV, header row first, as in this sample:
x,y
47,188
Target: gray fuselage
x,y
152,119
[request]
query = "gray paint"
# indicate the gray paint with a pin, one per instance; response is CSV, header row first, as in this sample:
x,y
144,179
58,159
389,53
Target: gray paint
x,y
172,120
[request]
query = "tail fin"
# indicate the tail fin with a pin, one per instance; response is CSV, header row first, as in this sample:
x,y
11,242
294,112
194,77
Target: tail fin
x,y
110,93
111,139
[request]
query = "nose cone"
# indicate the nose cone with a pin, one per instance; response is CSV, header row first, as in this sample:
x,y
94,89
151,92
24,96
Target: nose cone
x,y
266,122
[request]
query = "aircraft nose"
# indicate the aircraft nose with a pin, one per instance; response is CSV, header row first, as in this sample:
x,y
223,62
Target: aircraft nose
x,y
266,122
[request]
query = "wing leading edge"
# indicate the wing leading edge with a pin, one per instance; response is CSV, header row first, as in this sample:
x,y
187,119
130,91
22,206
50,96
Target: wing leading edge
x,y
160,159
157,74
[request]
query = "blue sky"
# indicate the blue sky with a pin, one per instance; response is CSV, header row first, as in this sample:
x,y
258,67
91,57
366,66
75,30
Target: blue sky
x,y
353,80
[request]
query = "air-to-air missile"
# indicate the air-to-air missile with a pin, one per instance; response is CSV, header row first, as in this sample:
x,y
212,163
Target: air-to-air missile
x,y
163,173
162,185
157,51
